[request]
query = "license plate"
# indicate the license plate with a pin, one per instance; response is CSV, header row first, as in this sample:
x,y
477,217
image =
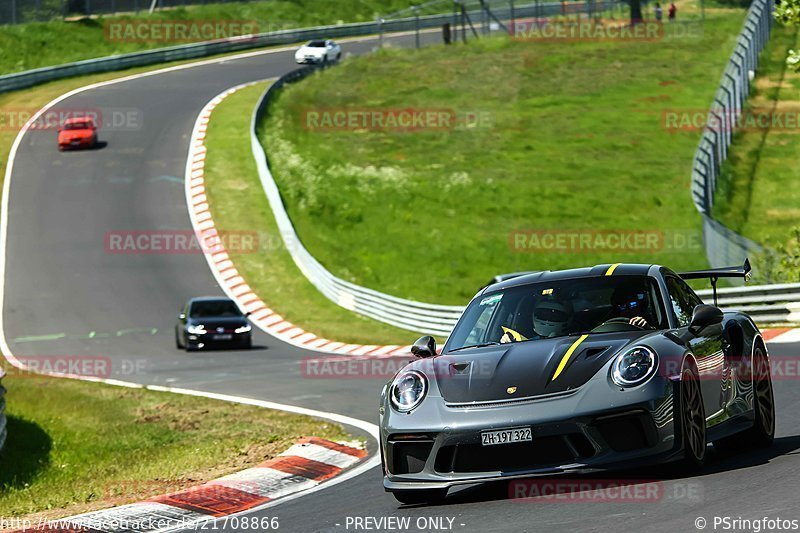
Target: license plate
x,y
75,143
506,436
225,337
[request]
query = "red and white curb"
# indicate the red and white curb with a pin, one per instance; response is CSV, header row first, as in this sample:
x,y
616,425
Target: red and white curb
x,y
223,268
781,335
306,464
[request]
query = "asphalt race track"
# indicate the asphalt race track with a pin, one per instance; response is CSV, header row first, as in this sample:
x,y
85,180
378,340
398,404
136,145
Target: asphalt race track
x,y
65,294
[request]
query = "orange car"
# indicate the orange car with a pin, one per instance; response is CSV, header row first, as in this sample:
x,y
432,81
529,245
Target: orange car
x,y
78,132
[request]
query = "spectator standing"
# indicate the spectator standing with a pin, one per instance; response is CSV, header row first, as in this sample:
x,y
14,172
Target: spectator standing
x,y
672,11
658,12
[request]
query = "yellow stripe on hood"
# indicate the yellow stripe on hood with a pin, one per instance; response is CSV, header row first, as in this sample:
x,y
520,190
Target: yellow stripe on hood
x,y
567,355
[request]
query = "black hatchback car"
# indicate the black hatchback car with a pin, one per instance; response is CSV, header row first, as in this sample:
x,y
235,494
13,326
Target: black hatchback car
x,y
210,321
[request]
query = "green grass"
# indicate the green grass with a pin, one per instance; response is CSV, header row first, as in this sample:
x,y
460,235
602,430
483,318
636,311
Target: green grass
x,y
757,193
237,201
74,446
41,44
576,142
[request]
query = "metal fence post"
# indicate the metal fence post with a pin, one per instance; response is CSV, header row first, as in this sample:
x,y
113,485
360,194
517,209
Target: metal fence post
x,y
13,11
513,26
380,32
415,9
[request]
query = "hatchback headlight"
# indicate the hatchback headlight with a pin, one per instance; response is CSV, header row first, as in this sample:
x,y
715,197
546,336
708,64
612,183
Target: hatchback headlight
x,y
199,329
634,366
243,329
408,390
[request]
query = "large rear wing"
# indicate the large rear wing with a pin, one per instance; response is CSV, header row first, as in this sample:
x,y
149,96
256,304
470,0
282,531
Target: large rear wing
x,y
714,274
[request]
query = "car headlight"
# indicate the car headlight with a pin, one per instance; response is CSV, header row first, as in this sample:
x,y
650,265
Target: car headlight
x,y
243,329
196,330
634,366
407,390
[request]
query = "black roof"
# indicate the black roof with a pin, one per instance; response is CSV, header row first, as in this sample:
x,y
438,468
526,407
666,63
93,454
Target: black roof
x,y
210,299
621,269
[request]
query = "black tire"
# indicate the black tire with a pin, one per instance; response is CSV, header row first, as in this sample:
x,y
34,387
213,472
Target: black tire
x,y
762,433
338,57
692,418
414,497
246,344
178,344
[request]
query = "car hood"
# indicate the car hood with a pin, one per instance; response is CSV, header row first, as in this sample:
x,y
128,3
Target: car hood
x,y
309,51
520,370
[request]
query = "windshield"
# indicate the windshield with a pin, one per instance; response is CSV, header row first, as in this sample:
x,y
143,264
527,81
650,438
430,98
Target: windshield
x,y
557,309
316,44
214,308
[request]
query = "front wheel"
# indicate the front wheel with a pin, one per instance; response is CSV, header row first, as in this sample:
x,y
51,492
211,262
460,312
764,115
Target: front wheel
x,y
412,497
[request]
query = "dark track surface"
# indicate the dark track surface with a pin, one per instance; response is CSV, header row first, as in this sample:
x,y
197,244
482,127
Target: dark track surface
x,y
61,281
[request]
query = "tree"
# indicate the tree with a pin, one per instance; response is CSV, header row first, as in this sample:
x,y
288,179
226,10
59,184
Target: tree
x,y
788,12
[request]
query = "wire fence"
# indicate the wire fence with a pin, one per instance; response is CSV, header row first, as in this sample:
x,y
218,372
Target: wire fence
x,y
723,245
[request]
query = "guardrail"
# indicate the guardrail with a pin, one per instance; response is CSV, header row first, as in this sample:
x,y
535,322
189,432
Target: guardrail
x,y
29,78
723,245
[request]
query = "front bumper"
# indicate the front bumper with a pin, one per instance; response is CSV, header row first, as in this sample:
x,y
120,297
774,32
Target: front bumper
x,y
211,339
309,60
439,445
76,144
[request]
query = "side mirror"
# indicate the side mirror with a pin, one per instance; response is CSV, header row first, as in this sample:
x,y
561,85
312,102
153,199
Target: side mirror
x,y
424,347
248,313
181,316
704,316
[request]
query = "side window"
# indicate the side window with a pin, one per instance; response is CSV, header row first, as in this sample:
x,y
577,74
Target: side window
x,y
682,299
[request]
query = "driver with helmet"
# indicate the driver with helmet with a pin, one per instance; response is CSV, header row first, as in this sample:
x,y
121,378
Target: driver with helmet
x,y
551,318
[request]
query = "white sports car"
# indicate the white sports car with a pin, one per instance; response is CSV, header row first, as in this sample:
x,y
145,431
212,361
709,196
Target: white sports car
x,y
319,52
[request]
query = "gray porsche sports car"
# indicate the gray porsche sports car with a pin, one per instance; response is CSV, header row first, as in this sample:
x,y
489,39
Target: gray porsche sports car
x,y
596,368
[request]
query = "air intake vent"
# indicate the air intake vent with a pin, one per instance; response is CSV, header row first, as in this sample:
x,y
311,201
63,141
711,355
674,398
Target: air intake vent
x,y
594,351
